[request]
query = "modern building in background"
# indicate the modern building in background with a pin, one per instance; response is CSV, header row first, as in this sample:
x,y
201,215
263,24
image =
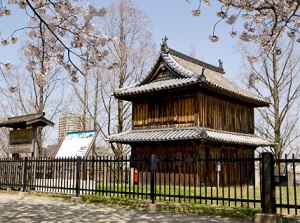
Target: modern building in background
x,y
72,123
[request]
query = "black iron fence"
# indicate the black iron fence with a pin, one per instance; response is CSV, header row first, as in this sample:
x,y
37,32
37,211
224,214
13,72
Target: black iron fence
x,y
265,183
287,185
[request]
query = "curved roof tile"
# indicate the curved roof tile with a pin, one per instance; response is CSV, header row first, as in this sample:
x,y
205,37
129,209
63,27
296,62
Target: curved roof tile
x,y
216,79
213,78
188,133
190,71
156,86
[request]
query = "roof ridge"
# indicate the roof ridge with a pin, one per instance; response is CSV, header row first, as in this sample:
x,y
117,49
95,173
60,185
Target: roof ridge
x,y
37,114
163,129
177,66
196,61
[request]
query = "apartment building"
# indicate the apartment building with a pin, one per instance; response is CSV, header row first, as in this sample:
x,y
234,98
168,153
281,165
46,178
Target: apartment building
x,y
72,123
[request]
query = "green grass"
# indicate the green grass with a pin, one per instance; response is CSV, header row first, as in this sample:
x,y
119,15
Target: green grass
x,y
186,194
288,192
243,192
192,199
204,209
228,212
48,194
242,212
206,196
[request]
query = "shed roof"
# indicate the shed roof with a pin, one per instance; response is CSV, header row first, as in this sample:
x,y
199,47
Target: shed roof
x,y
189,133
26,120
189,71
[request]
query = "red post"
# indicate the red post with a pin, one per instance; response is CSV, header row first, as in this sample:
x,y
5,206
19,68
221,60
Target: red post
x,y
136,176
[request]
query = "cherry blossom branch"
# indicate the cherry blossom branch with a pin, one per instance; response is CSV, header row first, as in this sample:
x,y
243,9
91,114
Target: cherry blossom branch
x,y
56,37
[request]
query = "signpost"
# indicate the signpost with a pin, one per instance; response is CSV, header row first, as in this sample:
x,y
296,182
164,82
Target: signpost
x,y
76,144
20,141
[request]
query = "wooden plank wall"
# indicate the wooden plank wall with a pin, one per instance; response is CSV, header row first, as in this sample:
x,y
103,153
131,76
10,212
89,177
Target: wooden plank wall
x,y
177,112
204,109
218,112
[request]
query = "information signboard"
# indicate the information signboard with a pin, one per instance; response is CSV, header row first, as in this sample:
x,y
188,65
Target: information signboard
x,y
76,144
20,141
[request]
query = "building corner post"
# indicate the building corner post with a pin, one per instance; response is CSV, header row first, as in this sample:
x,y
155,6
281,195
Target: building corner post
x,y
268,184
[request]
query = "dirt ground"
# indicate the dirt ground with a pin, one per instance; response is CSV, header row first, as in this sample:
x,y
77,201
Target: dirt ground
x,y
32,209
16,208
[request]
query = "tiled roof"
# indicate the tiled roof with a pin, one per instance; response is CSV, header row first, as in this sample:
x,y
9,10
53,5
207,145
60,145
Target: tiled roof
x,y
237,138
26,120
191,72
216,80
176,134
157,86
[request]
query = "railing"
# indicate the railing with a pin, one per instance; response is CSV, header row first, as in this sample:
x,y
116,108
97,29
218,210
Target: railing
x,y
287,181
222,181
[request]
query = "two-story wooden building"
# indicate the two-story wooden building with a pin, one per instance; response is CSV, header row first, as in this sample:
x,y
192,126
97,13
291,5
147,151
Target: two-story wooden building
x,y
186,107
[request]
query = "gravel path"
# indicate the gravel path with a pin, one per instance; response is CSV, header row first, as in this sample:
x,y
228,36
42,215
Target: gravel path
x,y
33,209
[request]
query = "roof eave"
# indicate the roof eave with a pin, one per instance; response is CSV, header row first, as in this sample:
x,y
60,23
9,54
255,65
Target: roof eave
x,y
129,142
258,103
42,121
187,134
26,120
131,96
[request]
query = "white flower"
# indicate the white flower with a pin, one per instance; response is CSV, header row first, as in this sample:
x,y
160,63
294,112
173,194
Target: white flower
x,y
246,16
105,53
32,33
245,37
4,42
196,12
231,20
222,14
101,12
291,34
278,51
22,4
7,66
13,39
207,3
214,38
13,89
74,79
7,12
233,34
252,59
41,79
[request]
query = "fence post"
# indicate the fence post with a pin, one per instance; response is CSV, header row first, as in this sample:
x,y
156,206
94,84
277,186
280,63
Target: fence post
x,y
78,165
152,180
24,174
268,184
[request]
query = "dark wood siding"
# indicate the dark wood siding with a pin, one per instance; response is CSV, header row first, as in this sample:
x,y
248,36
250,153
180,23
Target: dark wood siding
x,y
165,112
205,109
217,112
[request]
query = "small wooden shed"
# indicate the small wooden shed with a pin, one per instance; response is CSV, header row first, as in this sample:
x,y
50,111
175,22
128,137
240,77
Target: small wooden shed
x,y
23,133
186,107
